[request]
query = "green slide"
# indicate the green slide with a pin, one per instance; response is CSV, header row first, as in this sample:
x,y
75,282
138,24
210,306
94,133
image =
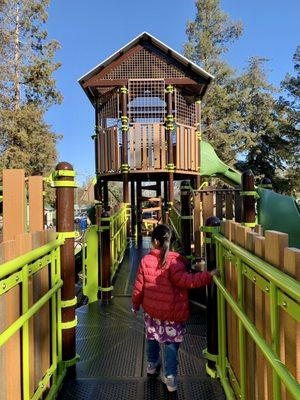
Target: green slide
x,y
211,165
275,211
280,213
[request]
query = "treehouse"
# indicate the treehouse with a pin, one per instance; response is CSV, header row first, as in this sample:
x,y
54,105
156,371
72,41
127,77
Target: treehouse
x,y
147,101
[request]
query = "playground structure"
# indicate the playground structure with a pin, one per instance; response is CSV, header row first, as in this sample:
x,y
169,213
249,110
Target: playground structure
x,y
147,102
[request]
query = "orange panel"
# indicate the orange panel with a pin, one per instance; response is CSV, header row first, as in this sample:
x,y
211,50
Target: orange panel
x,y
36,203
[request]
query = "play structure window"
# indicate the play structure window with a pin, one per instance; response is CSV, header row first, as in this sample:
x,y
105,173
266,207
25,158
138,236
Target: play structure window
x,y
108,114
146,101
185,110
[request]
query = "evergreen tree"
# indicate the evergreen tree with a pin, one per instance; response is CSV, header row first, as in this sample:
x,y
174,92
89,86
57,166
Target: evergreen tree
x,y
27,87
265,122
291,127
208,38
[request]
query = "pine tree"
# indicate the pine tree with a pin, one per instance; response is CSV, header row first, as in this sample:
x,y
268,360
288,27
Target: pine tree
x,y
27,87
265,122
291,127
208,38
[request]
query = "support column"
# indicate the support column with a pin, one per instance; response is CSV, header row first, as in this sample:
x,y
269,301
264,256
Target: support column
x,y
139,209
105,195
186,217
133,210
95,136
65,224
104,258
248,193
198,135
170,166
124,156
165,203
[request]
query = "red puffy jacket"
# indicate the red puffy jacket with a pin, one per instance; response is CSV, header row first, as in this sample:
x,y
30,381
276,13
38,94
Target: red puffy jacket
x,y
162,291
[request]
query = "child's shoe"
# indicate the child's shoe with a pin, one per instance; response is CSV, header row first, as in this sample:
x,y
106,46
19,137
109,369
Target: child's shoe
x,y
170,381
153,368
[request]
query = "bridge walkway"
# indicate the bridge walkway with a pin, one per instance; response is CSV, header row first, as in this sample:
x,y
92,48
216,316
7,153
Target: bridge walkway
x,y
111,345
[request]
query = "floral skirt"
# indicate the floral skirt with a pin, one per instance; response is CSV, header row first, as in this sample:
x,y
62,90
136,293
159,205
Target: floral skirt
x,y
163,331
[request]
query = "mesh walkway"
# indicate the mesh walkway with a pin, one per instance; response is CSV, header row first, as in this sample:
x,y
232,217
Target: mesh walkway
x,y
111,345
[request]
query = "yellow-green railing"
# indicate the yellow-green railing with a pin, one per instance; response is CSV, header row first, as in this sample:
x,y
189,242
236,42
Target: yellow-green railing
x,y
118,235
284,295
18,272
175,221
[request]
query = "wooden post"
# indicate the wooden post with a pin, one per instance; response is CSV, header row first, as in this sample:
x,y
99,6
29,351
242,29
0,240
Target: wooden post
x,y
133,209
170,166
165,206
237,204
65,223
198,135
105,280
197,223
212,311
248,198
105,194
186,214
139,208
95,137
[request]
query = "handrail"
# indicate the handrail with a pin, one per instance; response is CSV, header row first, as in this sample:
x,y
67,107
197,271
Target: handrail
x,y
12,266
18,272
283,291
280,279
277,364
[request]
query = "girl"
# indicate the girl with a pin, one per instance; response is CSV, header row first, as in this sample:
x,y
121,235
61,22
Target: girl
x,y
161,287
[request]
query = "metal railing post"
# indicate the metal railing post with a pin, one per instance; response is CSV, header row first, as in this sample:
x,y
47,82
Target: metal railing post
x,y
105,256
186,217
64,183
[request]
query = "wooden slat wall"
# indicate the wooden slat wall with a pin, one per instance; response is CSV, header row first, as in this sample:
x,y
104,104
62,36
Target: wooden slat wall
x,y
108,151
17,242
273,248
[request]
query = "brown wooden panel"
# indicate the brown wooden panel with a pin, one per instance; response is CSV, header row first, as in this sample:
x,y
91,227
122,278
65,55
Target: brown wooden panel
x,y
274,254
261,383
145,163
157,145
138,146
237,206
36,203
219,205
207,204
118,162
163,147
291,341
192,134
181,133
13,224
228,205
186,149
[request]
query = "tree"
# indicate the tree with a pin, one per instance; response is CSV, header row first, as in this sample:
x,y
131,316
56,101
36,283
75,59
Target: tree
x,y
265,121
291,127
208,38
27,87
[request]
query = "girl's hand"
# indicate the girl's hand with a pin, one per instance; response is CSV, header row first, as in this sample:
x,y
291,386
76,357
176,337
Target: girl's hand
x,y
215,272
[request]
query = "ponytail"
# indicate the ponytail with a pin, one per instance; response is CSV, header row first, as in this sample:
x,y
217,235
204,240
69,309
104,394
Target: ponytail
x,y
163,234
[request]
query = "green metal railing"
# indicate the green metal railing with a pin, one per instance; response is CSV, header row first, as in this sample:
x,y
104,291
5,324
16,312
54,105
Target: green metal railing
x,y
284,294
175,221
18,272
118,235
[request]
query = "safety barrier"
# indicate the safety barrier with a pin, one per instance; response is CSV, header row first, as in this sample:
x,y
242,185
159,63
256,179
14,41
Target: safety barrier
x,y
258,316
20,272
175,221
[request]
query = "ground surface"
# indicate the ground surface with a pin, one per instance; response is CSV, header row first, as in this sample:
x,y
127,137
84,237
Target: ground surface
x,y
111,345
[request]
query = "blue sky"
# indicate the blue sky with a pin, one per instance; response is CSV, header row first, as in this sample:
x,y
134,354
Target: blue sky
x,y
89,31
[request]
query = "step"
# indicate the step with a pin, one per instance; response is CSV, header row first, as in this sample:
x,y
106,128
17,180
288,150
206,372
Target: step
x,y
151,199
150,209
150,221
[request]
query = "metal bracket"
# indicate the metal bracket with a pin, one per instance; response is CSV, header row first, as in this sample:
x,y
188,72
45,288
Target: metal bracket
x,y
72,361
69,303
249,224
210,229
64,184
69,324
250,193
67,235
105,289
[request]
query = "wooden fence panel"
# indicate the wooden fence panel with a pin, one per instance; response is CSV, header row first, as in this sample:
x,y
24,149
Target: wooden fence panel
x,y
291,338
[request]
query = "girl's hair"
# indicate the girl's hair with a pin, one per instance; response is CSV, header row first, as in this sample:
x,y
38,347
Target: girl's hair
x,y
163,234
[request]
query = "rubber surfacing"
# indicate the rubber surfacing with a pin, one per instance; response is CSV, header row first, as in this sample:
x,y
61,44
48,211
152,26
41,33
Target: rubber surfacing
x,y
111,345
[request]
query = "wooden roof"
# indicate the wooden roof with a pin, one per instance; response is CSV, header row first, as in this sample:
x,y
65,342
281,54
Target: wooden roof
x,y
194,78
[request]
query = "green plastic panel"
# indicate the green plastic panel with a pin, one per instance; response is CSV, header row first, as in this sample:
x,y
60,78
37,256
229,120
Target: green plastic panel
x,y
90,263
211,165
280,213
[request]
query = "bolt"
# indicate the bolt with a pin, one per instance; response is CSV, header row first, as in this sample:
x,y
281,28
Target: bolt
x,y
3,286
267,289
284,303
30,270
17,278
254,279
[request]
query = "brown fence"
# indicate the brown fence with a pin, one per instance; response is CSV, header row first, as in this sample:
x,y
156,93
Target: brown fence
x,y
108,153
272,247
23,224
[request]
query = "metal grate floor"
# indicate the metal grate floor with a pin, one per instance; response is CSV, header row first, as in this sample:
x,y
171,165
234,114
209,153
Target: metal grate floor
x,y
111,345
